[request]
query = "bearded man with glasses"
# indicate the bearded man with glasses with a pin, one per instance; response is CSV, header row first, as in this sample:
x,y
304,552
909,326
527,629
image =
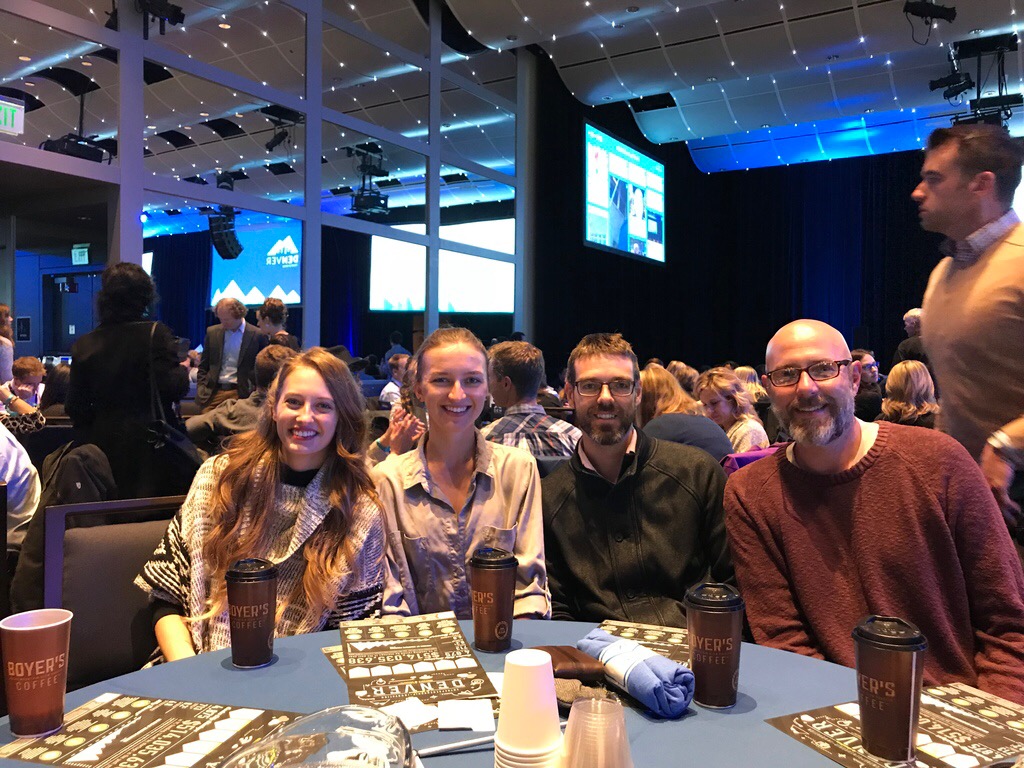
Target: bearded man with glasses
x,y
858,518
630,522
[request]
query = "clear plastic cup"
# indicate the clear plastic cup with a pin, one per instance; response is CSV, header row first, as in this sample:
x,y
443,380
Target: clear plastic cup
x,y
596,735
528,722
338,737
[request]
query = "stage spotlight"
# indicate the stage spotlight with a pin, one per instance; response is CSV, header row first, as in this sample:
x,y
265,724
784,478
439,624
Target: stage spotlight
x,y
928,10
165,10
279,136
961,85
225,181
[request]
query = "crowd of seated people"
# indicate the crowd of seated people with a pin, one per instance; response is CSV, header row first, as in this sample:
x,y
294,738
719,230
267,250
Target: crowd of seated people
x,y
636,509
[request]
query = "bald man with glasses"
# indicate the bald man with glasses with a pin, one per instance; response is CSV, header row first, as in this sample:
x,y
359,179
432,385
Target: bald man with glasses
x,y
630,522
858,518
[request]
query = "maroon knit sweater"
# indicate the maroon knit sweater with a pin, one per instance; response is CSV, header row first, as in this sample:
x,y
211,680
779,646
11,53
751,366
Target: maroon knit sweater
x,y
912,531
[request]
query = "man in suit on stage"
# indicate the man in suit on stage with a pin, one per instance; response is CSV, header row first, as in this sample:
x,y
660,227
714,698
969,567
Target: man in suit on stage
x,y
227,368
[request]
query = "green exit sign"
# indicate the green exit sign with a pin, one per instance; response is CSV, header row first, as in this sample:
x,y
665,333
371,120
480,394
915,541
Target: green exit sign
x,y
12,117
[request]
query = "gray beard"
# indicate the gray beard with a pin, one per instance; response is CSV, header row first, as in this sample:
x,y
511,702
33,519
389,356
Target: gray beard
x,y
822,433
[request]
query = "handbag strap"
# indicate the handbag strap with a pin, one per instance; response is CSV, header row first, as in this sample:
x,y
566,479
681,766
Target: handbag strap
x,y
155,406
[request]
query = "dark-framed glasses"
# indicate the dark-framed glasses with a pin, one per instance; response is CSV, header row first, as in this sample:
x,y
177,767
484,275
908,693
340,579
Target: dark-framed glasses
x,y
593,387
823,370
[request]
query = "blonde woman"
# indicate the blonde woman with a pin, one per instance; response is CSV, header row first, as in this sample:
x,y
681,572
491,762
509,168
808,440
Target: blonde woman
x,y
6,343
910,396
668,413
752,383
728,403
295,491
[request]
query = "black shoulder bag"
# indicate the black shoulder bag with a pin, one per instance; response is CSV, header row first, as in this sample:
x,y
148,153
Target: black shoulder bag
x,y
174,453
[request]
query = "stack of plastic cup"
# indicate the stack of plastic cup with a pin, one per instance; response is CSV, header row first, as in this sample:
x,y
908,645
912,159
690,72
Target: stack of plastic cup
x,y
596,735
529,734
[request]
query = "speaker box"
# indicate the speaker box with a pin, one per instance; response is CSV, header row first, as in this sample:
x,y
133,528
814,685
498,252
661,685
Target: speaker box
x,y
222,234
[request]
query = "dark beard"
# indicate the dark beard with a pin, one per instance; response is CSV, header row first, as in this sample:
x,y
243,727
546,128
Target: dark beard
x,y
589,425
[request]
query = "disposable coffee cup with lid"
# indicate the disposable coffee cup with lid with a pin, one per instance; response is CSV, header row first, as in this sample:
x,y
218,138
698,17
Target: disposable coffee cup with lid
x,y
493,558
715,597
251,569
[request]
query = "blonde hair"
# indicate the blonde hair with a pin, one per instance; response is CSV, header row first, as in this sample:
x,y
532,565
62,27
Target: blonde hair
x,y
685,374
244,514
909,392
728,386
751,381
5,315
661,393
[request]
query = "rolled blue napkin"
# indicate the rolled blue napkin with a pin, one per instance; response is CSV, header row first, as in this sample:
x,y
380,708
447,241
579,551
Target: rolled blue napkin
x,y
660,684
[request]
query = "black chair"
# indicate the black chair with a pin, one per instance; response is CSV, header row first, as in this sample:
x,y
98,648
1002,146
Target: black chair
x,y
41,444
93,553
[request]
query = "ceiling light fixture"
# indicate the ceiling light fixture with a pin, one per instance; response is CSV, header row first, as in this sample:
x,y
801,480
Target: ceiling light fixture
x,y
280,136
24,58
224,25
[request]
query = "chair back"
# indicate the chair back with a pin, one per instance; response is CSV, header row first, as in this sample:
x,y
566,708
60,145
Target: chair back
x,y
565,414
92,554
41,444
735,461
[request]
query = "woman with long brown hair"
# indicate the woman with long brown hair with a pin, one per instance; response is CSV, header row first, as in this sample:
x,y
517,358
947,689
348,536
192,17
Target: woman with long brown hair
x,y
295,491
6,343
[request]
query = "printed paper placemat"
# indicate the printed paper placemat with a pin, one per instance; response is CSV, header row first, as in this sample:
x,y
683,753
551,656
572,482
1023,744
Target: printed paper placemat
x,y
959,727
408,663
671,642
114,731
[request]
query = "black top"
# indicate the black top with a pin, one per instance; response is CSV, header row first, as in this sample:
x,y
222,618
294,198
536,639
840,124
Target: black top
x,y
926,420
698,431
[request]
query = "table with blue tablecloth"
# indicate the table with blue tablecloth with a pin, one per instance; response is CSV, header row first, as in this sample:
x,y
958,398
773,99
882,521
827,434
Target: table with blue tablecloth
x,y
772,683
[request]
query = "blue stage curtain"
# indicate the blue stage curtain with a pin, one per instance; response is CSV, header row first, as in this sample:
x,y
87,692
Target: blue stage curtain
x,y
181,271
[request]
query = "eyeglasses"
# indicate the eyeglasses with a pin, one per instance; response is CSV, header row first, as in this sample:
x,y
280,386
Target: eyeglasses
x,y
823,370
593,387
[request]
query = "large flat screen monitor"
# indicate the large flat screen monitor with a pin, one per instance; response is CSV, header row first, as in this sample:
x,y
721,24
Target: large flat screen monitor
x,y
270,264
398,279
625,198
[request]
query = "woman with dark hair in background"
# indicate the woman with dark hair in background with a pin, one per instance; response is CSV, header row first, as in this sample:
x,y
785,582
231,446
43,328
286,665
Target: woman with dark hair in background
x,y
271,318
55,393
109,396
6,343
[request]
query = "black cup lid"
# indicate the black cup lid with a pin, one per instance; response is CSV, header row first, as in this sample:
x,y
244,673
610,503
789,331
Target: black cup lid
x,y
890,631
492,557
252,569
714,596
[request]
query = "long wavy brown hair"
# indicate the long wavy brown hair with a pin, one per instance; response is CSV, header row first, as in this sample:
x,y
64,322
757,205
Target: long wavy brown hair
x,y
244,508
909,392
5,317
661,393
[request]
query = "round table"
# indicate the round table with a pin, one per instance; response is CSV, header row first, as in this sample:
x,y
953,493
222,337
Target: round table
x,y
772,683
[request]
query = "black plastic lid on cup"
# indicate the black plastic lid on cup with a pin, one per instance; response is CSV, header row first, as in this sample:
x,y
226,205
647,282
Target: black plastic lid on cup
x,y
492,557
890,632
251,569
712,596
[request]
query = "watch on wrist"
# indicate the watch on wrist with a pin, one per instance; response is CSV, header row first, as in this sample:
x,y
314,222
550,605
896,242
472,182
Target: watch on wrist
x,y
1004,448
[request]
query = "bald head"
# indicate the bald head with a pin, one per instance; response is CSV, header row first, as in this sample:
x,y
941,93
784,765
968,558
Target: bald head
x,y
805,341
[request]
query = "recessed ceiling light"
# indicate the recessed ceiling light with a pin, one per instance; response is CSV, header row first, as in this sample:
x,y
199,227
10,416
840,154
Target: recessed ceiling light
x,y
86,63
976,31
511,38
868,111
766,125
711,79
224,25
24,58
832,57
151,127
204,114
30,85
